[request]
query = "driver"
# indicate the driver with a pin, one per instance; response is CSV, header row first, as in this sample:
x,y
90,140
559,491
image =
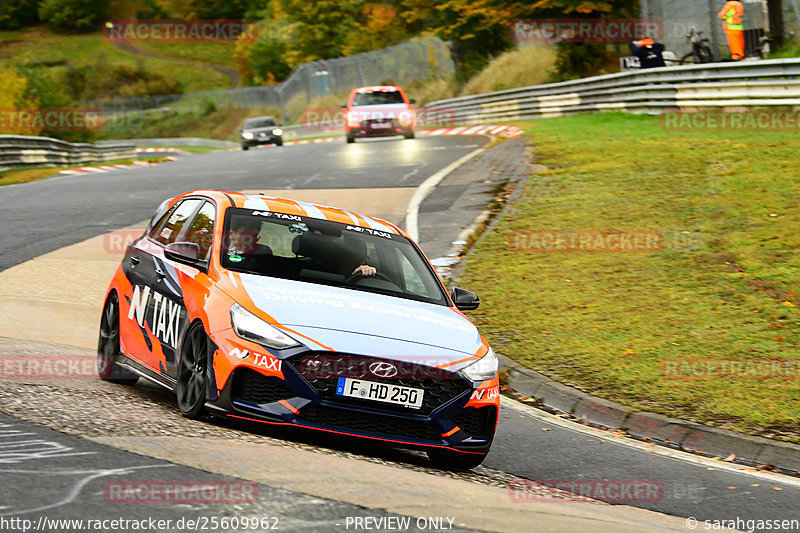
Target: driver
x,y
353,261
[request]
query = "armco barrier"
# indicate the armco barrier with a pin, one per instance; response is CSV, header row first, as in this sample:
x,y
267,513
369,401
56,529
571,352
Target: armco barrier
x,y
652,91
173,141
23,151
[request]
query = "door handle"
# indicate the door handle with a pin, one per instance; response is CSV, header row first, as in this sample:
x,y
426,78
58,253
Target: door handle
x,y
135,260
160,274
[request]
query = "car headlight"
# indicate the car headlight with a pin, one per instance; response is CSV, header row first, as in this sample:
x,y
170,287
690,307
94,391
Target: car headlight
x,y
247,135
277,131
353,119
484,368
249,326
406,118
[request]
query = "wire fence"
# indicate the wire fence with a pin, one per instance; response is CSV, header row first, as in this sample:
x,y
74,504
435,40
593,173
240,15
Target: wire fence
x,y
404,63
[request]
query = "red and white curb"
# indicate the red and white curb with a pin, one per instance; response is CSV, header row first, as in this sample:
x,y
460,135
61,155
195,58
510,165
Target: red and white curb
x,y
509,132
160,150
108,168
94,170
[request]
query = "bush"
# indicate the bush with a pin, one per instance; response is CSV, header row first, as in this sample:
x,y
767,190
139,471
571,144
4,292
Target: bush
x,y
79,15
16,14
580,60
103,80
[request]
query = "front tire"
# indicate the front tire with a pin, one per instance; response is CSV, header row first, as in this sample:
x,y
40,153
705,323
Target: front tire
x,y
245,147
409,135
108,346
191,385
449,460
350,139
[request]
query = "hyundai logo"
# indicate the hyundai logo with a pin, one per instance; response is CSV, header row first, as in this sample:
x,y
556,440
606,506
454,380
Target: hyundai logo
x,y
383,370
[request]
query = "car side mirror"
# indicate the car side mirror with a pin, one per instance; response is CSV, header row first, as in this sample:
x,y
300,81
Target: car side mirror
x,y
343,105
412,101
183,252
464,299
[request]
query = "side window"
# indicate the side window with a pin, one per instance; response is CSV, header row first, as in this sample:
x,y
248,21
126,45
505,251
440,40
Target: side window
x,y
155,225
201,230
175,221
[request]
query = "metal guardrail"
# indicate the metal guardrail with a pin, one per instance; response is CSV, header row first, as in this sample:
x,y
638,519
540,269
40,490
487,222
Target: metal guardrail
x,y
652,91
172,142
23,151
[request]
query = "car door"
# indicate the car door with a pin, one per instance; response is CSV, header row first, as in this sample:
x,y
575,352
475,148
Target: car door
x,y
155,309
191,279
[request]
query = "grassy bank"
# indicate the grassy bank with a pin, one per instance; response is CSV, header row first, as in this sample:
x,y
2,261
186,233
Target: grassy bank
x,y
26,175
701,322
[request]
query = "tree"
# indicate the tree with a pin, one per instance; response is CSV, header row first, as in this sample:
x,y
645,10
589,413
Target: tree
x,y
219,9
381,26
321,28
16,14
581,59
479,29
80,15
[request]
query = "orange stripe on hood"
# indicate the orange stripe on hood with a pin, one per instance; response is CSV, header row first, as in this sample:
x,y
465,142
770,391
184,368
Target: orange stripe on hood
x,y
483,350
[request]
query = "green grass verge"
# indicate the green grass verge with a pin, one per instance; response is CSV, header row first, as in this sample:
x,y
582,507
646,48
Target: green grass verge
x,y
645,328
25,175
41,48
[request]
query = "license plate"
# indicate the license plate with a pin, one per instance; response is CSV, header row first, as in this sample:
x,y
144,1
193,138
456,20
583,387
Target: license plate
x,y
380,392
381,125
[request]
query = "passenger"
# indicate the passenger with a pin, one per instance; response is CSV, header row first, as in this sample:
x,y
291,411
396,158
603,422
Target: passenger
x,y
243,237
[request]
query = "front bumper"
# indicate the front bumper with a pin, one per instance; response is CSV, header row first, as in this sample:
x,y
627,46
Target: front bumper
x,y
444,421
256,141
369,128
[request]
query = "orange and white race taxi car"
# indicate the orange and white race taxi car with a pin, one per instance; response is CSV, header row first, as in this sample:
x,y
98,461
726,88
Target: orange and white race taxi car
x,y
284,312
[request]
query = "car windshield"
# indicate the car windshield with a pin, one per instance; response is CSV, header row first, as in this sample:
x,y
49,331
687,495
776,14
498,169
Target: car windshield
x,y
263,122
327,253
378,98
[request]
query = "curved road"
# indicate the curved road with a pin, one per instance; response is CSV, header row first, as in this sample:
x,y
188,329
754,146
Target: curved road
x,y
47,215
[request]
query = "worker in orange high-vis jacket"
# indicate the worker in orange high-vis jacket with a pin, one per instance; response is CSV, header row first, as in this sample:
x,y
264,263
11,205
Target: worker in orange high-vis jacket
x,y
731,15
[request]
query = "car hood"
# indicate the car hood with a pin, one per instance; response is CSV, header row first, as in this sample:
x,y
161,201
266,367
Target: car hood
x,y
266,129
358,322
366,112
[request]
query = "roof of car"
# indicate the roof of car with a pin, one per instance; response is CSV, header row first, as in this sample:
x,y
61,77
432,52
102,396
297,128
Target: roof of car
x,y
377,88
288,206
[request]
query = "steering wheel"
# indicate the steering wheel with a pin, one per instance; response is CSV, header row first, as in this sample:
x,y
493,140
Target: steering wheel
x,y
358,274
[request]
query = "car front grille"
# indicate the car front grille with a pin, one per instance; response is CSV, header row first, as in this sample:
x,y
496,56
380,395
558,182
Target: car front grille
x,y
253,387
477,422
368,124
369,423
440,386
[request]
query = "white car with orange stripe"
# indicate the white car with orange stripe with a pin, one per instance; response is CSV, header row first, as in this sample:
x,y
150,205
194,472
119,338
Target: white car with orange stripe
x,y
284,312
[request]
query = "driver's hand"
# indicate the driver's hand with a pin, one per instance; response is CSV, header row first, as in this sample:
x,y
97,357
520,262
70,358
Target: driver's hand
x,y
366,270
